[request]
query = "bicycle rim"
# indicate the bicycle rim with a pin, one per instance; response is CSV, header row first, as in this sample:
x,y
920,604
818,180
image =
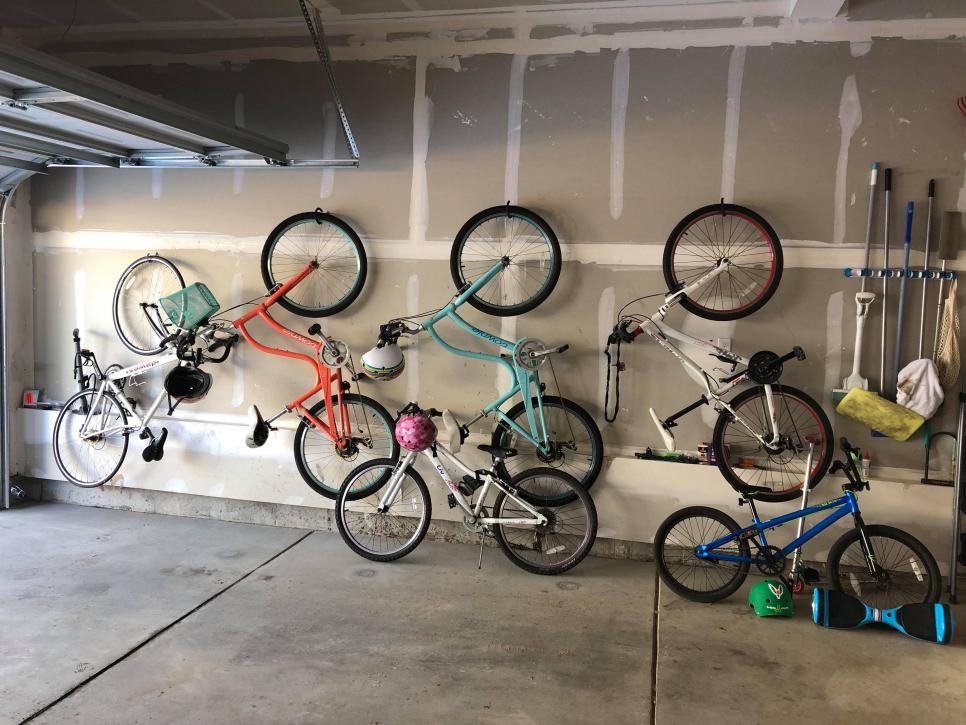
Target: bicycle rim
x,y
749,463
138,318
334,282
531,254
564,541
576,446
324,465
693,574
734,236
908,576
93,461
384,532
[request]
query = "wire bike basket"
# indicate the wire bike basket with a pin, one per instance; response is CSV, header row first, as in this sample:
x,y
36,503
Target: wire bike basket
x,y
190,307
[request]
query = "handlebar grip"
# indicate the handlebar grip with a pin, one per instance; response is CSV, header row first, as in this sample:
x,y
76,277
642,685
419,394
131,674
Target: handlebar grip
x,y
315,329
435,413
563,348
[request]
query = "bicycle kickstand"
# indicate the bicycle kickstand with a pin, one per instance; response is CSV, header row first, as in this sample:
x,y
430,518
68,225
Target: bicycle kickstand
x,y
482,544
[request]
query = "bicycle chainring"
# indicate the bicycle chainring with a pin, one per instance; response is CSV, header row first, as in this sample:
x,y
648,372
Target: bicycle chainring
x,y
334,354
521,353
771,563
764,367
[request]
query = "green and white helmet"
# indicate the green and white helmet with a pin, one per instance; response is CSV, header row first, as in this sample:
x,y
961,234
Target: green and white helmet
x,y
771,598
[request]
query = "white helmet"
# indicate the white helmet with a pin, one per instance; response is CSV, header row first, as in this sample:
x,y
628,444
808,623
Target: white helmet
x,y
384,362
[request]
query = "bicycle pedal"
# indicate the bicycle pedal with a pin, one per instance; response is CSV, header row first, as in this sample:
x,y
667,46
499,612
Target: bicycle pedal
x,y
810,575
145,434
451,500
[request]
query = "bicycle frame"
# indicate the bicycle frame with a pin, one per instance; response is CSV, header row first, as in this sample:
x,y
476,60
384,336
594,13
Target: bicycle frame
x,y
714,389
469,509
843,506
326,379
108,383
525,382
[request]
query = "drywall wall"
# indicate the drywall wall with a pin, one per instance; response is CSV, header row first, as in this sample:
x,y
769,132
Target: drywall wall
x,y
612,136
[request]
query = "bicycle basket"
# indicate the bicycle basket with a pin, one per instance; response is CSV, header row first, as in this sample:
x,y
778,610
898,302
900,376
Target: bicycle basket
x,y
190,307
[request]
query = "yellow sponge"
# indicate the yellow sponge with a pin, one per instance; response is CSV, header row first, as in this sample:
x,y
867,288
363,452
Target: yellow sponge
x,y
890,419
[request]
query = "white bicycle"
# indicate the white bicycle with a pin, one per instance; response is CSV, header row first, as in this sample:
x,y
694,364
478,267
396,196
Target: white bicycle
x,y
92,430
723,262
384,509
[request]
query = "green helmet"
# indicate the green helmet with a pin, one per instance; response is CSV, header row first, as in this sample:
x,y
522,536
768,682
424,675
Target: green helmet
x,y
770,598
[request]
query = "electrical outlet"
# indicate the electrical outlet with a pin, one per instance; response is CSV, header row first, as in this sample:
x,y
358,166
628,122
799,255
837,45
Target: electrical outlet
x,y
724,343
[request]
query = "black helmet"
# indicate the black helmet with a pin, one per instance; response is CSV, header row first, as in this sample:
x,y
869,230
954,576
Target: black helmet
x,y
187,384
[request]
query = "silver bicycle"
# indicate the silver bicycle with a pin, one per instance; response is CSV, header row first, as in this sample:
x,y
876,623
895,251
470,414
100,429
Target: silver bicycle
x,y
384,509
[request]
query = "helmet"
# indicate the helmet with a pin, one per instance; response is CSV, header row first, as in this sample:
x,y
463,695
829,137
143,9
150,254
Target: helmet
x,y
415,432
771,598
187,384
384,362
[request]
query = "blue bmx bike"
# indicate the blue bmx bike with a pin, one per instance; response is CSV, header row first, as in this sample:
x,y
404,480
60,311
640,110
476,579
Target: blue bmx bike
x,y
703,555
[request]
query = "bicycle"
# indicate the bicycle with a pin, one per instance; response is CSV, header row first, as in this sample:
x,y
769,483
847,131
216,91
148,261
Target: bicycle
x,y
91,432
384,509
723,262
494,257
703,555
312,264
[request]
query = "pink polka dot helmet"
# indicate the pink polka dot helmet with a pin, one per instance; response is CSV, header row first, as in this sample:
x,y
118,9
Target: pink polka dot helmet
x,y
415,431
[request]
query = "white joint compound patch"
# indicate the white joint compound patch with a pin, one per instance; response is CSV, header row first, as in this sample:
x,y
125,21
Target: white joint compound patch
x,y
157,183
833,346
419,191
850,118
329,131
79,194
514,123
618,123
412,351
729,158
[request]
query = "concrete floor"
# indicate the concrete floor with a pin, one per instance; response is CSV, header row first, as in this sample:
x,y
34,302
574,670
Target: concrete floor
x,y
116,617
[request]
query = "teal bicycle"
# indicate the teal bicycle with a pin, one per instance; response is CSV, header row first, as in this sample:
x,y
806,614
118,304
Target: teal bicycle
x,y
506,261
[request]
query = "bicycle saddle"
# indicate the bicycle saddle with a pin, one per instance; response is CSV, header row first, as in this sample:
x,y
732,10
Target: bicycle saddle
x,y
499,454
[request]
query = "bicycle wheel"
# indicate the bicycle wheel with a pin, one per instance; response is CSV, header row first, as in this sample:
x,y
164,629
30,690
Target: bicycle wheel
x,y
320,462
93,461
323,238
724,231
911,572
564,540
576,446
744,461
694,578
138,318
377,532
522,238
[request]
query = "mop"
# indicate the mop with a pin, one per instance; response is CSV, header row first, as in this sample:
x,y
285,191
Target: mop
x,y
863,300
890,419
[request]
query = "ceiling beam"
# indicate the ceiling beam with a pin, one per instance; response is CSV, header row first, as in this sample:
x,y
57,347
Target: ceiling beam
x,y
16,163
90,114
46,148
57,134
44,69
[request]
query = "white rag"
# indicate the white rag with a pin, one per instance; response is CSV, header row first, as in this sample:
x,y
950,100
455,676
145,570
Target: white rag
x,y
919,388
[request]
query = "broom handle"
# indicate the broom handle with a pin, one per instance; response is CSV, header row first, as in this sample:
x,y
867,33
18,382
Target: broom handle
x,y
925,266
885,280
906,242
873,175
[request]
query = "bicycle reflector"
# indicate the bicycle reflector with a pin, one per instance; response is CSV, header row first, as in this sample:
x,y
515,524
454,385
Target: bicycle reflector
x,y
190,307
384,362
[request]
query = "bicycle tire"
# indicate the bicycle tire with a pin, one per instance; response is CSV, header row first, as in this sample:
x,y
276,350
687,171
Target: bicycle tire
x,y
527,456
59,457
346,498
555,537
673,578
694,231
306,468
728,453
350,274
126,327
466,265
879,533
